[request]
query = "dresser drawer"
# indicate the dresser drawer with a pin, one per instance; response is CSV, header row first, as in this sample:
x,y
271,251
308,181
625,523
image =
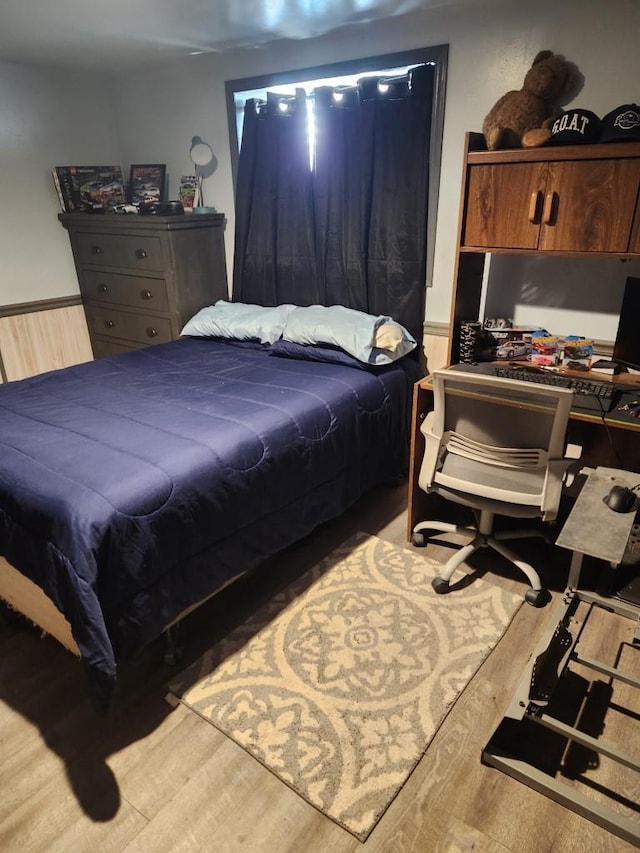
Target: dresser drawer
x,y
138,292
105,347
120,250
111,323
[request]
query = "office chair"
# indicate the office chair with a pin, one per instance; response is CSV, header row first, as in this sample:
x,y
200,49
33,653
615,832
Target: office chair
x,y
497,446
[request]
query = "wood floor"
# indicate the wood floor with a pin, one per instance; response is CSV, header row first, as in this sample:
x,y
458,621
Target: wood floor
x,y
152,778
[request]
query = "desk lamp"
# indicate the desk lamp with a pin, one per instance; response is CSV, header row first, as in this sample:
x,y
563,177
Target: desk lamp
x,y
205,163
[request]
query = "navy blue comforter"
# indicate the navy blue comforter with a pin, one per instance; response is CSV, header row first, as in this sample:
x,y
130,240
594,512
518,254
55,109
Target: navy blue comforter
x,y
134,486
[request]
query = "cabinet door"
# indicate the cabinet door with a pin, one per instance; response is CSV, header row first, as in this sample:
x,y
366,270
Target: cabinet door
x,y
589,205
635,231
504,205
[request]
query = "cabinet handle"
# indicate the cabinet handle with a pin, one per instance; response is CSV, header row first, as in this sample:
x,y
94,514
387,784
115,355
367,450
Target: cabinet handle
x,y
109,324
103,288
141,254
146,294
534,207
151,332
550,205
96,250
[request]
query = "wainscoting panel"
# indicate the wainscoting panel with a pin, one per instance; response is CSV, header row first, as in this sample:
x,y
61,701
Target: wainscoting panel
x,y
35,342
436,344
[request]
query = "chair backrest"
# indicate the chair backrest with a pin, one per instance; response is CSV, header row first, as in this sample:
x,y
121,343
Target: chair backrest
x,y
497,438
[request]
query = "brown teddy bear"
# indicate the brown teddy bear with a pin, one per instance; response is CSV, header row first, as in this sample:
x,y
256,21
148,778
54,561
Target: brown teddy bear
x,y
522,118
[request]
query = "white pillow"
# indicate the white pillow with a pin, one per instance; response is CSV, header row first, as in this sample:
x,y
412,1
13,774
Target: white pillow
x,y
353,331
240,321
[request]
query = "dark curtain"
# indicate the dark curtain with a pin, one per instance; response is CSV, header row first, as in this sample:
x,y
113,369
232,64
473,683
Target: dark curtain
x,y
350,230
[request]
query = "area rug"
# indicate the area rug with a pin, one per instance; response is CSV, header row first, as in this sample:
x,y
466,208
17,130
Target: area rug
x,y
340,683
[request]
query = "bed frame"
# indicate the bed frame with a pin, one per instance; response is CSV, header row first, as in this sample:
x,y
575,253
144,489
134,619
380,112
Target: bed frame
x,y
27,598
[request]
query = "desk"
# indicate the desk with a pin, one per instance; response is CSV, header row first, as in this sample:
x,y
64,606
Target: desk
x,y
591,529
586,430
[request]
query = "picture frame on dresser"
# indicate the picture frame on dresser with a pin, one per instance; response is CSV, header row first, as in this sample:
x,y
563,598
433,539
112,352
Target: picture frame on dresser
x,y
146,182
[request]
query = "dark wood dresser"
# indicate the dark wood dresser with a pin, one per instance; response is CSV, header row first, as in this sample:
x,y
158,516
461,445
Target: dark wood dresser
x,y
142,277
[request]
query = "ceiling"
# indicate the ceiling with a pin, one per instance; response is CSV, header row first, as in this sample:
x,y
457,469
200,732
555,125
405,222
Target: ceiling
x,y
132,33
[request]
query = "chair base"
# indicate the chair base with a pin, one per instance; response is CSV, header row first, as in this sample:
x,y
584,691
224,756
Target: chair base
x,y
534,597
483,537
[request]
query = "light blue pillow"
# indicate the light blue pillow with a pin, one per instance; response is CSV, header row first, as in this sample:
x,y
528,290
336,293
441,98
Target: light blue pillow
x,y
351,330
238,320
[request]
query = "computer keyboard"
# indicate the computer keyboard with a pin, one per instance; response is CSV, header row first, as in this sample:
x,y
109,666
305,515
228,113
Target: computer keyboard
x,y
588,394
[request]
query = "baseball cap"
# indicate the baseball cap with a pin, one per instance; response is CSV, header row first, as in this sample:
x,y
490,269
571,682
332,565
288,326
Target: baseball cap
x,y
575,127
621,124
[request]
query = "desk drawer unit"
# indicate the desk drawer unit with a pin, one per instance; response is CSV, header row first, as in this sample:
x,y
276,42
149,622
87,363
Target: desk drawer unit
x,y
141,278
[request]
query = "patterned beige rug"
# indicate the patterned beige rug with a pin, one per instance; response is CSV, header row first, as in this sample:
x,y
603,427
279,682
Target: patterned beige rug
x,y
358,663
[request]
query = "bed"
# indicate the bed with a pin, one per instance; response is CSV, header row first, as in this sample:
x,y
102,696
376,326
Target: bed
x,y
136,486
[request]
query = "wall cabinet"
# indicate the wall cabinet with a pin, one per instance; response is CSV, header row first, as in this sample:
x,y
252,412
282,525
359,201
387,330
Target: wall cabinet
x,y
576,201
142,277
580,206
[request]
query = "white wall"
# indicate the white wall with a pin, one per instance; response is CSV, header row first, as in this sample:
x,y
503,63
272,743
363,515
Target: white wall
x,y
490,48
48,118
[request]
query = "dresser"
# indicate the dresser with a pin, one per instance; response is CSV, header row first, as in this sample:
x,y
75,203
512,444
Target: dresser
x,y
142,277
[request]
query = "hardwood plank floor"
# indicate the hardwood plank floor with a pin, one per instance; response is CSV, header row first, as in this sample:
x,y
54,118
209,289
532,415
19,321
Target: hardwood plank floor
x,y
152,778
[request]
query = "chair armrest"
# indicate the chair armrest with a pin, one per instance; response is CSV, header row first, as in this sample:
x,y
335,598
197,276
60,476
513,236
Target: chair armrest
x,y
431,452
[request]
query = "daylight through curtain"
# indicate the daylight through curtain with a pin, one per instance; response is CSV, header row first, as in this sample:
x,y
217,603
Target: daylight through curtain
x,y
350,227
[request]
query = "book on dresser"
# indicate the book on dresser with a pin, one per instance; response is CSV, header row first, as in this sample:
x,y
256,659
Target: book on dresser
x,y
69,200
94,186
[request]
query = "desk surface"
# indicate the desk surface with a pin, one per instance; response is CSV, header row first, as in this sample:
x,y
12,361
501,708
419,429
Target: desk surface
x,y
627,380
594,529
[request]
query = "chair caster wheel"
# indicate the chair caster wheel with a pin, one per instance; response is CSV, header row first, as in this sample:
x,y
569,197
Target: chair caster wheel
x,y
418,539
440,586
536,597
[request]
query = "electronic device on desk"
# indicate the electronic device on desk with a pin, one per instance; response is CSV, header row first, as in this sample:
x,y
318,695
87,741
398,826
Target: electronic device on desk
x,y
626,349
621,499
593,396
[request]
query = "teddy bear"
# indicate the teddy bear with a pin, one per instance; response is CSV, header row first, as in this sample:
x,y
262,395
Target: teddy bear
x,y
523,117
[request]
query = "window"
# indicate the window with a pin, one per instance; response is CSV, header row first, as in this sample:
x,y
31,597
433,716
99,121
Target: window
x,y
345,74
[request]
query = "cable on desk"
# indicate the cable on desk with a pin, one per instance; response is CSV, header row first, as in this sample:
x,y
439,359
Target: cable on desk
x,y
607,431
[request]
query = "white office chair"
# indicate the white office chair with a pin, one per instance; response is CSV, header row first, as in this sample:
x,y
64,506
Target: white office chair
x,y
497,446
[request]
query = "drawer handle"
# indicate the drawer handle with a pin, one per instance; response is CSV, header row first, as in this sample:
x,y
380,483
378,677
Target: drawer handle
x,y
151,332
96,250
109,324
146,294
141,254
103,288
